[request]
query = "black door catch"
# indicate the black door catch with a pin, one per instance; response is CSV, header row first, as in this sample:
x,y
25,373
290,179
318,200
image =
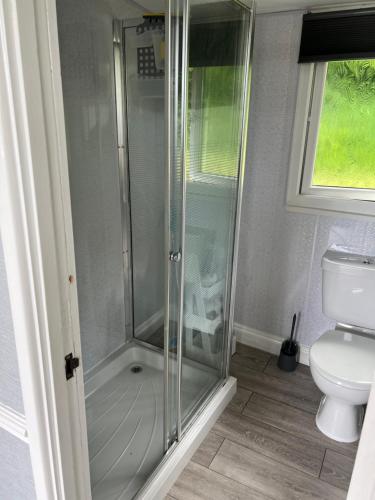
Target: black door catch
x,y
71,364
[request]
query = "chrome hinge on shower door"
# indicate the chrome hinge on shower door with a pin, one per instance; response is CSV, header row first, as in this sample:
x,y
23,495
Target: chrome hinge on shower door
x,y
175,256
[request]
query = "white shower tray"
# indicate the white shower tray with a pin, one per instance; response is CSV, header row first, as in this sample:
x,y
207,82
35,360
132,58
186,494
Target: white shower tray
x,y
125,419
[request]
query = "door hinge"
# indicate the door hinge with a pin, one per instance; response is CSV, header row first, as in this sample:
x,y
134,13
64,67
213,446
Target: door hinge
x,y
71,364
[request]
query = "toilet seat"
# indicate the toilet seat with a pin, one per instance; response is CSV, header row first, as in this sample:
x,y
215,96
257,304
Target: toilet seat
x,y
345,358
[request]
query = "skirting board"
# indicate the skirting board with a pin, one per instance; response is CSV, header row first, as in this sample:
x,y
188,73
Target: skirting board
x,y
168,471
13,422
266,342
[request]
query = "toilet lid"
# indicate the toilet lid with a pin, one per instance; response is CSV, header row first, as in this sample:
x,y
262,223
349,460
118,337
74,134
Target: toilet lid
x,y
345,356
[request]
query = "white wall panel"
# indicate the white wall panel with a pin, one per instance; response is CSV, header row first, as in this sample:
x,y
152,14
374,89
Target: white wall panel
x,y
86,49
16,478
10,386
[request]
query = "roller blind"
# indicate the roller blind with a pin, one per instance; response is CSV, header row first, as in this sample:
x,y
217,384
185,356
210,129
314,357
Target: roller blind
x,y
214,44
334,36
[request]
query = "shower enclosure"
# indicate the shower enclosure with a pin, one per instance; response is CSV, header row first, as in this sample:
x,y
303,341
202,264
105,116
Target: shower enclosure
x,y
156,99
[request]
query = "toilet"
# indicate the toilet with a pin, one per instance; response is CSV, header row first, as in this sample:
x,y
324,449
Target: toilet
x,y
342,361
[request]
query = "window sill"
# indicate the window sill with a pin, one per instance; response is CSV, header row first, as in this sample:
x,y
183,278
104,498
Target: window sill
x,y
324,205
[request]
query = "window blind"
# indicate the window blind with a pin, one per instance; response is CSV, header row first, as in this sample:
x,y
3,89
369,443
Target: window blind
x,y
334,36
214,44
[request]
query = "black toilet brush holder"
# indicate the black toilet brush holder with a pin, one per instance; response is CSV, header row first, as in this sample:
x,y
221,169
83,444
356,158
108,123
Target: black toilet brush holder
x,y
288,356
289,351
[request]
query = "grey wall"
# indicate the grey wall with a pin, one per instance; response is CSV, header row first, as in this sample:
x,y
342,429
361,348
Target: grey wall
x,y
16,478
16,481
10,387
280,252
86,49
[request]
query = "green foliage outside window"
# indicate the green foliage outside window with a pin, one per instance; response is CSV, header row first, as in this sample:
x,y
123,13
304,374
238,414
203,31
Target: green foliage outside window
x,y
216,150
346,143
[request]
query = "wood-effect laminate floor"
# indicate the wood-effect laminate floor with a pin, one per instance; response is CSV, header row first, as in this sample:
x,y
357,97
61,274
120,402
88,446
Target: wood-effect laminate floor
x,y
266,444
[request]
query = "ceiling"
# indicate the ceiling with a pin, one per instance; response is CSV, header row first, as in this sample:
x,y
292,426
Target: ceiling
x,y
129,9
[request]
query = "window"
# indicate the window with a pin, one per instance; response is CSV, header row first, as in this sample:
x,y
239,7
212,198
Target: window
x,y
345,150
332,164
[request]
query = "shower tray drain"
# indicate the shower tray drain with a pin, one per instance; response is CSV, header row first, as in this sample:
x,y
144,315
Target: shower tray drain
x,y
136,369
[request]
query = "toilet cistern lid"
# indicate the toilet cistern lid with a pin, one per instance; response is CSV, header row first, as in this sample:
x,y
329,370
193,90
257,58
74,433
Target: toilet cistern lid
x,y
345,356
338,258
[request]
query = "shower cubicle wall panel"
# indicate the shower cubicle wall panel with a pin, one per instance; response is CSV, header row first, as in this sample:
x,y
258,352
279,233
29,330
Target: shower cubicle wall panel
x,y
145,113
86,51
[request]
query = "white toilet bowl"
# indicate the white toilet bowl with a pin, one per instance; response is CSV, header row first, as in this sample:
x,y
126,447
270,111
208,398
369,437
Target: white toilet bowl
x,y
342,365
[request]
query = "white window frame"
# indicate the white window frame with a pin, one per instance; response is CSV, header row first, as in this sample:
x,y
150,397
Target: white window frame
x,y
302,196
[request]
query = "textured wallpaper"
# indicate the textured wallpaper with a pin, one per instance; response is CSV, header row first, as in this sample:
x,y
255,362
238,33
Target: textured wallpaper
x,y
10,387
86,49
16,477
280,252
16,480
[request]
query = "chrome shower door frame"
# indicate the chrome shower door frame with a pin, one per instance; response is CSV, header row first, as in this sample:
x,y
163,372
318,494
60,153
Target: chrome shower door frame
x,y
241,174
123,166
175,110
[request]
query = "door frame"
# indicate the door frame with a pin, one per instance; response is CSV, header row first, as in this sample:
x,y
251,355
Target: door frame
x,y
362,483
37,236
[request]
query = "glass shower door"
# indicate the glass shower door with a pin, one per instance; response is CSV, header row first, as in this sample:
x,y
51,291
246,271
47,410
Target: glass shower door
x,y
218,62
208,52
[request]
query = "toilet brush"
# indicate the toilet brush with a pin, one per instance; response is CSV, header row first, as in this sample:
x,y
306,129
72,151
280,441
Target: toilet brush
x,y
289,349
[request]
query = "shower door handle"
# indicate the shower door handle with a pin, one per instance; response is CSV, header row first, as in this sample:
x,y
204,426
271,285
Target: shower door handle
x,y
175,256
